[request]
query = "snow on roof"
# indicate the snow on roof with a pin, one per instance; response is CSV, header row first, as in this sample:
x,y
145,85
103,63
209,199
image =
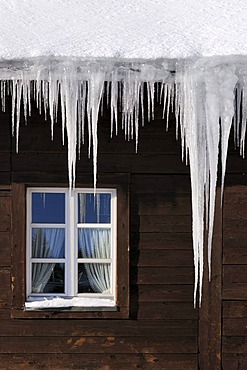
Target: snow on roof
x,y
122,28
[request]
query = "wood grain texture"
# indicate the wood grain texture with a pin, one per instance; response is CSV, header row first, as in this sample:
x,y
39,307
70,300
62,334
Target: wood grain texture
x,y
5,248
234,289
162,275
234,309
232,361
5,288
98,328
150,361
95,345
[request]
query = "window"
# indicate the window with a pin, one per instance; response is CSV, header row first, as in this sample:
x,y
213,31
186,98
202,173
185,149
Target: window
x,y
71,247
70,251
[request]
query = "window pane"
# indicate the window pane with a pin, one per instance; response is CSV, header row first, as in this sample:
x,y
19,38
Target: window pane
x,y
94,278
48,243
48,208
94,243
94,209
47,278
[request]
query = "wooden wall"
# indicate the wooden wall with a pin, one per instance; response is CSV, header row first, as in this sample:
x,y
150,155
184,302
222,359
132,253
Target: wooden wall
x,y
164,331
234,292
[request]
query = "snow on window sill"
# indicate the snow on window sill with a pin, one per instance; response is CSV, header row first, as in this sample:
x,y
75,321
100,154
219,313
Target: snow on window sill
x,y
68,303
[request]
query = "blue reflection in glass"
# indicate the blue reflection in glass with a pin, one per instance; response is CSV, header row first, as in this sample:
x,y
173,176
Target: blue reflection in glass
x,y
48,243
48,208
94,209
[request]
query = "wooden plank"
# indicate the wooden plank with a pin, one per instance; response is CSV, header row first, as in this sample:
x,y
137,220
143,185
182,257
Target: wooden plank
x,y
158,223
5,248
5,289
235,282
39,162
162,275
107,163
236,179
5,132
235,240
234,291
159,258
5,178
4,314
235,203
5,205
235,309
161,240
235,255
165,293
232,226
152,143
35,136
98,328
235,163
19,246
5,190
83,179
237,327
20,313
234,361
234,344
235,274
161,204
174,184
5,161
210,313
42,178
166,311
150,361
96,345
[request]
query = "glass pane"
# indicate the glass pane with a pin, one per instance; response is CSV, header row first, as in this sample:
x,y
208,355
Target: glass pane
x,y
48,208
48,278
94,278
94,209
94,243
48,243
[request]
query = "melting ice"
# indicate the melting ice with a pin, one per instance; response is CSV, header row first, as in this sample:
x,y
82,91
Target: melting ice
x,y
209,95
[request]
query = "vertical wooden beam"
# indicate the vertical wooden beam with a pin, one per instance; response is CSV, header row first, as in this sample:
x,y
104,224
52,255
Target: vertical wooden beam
x,y
18,249
210,314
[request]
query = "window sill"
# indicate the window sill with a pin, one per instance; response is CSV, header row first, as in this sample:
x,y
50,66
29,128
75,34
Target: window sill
x,y
71,304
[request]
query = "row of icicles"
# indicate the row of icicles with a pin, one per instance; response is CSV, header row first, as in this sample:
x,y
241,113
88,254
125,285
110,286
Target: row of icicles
x,y
206,103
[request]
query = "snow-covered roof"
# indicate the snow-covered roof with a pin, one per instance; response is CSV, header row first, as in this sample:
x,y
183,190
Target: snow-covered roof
x,y
122,28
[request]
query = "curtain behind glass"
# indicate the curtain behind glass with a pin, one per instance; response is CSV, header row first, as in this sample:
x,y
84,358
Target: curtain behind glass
x,y
46,243
96,243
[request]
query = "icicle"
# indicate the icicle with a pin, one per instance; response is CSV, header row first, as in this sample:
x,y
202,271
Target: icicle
x,y
244,118
227,84
212,111
69,98
96,84
3,92
18,110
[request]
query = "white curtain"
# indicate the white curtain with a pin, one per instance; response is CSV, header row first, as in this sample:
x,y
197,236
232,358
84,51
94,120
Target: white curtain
x,y
46,243
95,243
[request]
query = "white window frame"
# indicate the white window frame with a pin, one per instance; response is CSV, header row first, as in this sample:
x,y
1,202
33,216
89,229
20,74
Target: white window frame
x,y
71,260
